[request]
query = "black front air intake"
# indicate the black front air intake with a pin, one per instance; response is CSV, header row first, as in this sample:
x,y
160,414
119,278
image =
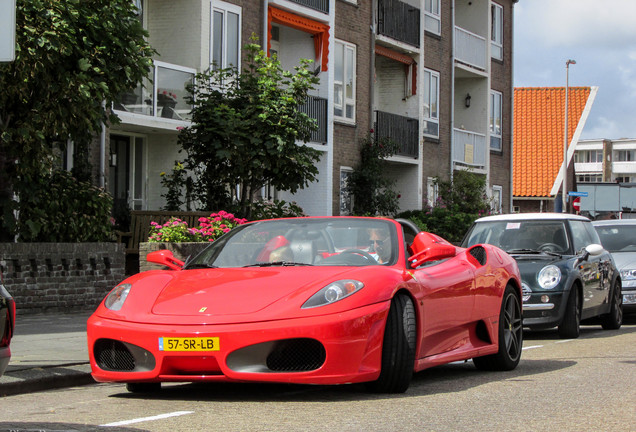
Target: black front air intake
x,y
296,355
113,355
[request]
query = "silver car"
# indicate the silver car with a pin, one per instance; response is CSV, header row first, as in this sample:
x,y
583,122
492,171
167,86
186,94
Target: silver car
x,y
619,237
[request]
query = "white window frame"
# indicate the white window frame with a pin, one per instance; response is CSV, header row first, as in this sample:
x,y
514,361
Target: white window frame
x,y
431,77
225,9
496,120
497,199
496,31
432,16
348,54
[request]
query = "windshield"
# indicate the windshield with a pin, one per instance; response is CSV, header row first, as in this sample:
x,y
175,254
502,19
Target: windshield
x,y
618,238
303,241
520,236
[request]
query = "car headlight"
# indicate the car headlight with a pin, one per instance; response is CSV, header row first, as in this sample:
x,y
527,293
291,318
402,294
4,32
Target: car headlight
x,y
333,292
629,274
116,298
549,277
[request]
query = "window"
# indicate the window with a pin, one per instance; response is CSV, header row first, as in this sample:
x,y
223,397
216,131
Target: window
x,y
496,100
346,199
589,178
432,18
431,103
345,81
588,156
625,155
623,179
497,198
496,32
226,35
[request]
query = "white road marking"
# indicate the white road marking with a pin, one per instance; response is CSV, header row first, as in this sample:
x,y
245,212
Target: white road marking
x,y
532,347
144,419
564,341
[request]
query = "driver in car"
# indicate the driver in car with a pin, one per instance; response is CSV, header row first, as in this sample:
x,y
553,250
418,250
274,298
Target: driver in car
x,y
380,248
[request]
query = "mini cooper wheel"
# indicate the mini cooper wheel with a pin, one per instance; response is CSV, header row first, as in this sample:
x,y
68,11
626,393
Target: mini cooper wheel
x,y
570,327
614,319
510,336
143,387
398,348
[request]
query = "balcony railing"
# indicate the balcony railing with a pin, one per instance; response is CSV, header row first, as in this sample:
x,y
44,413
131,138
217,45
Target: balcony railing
x,y
316,108
469,148
399,21
161,96
319,5
470,48
403,130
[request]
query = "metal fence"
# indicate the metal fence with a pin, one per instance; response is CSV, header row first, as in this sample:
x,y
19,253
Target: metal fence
x,y
316,108
401,129
400,21
319,5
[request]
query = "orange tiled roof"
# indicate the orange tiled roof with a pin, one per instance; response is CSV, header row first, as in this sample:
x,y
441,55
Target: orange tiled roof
x,y
539,114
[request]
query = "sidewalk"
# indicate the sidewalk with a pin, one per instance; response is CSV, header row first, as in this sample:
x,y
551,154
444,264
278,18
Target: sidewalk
x,y
47,351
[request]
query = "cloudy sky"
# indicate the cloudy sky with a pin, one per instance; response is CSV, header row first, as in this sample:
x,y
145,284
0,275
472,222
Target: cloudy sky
x,y
601,37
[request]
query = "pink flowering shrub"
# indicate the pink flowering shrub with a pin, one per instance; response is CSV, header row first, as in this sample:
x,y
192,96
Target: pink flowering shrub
x,y
209,229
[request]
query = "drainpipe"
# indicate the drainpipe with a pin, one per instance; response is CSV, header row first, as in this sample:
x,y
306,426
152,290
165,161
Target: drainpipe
x,y
374,11
265,29
102,153
452,107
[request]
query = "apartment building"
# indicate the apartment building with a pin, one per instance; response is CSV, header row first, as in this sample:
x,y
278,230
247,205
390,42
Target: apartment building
x,y
434,75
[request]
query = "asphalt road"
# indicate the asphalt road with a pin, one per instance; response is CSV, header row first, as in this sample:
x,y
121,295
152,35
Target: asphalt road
x,y
587,384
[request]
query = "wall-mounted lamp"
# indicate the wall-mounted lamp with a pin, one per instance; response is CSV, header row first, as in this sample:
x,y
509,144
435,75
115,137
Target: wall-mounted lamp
x,y
467,101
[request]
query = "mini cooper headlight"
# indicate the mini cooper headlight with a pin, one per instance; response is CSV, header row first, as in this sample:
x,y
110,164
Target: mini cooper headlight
x,y
116,298
333,292
628,274
549,277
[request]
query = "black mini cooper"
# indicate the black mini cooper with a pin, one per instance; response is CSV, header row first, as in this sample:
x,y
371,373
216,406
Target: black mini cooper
x,y
567,276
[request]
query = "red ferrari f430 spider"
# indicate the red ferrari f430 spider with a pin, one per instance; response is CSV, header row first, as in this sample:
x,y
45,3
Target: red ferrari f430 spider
x,y
318,300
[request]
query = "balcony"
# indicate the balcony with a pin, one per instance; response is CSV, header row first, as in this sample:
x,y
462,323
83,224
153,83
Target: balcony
x,y
623,168
403,130
470,49
319,5
399,21
469,148
316,108
163,96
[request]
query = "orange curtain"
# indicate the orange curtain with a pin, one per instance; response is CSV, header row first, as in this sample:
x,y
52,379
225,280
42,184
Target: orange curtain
x,y
319,30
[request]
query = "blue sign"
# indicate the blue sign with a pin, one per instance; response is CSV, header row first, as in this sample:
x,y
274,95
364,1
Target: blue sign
x,y
577,194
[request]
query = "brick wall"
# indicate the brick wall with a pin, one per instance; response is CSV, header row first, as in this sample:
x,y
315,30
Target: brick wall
x,y
60,276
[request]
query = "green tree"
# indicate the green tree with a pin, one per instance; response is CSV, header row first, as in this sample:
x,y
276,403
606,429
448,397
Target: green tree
x,y
71,56
459,203
372,190
245,129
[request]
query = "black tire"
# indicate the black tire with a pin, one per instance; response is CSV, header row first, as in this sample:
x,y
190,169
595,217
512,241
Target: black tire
x,y
398,348
614,319
143,387
510,336
570,327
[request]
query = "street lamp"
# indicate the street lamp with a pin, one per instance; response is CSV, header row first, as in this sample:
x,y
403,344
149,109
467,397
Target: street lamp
x,y
565,138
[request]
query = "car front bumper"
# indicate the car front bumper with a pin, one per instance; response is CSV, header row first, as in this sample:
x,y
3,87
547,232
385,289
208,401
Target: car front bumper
x,y
544,309
332,349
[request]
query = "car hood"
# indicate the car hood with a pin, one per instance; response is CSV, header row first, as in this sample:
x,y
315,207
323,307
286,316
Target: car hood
x,y
625,260
233,291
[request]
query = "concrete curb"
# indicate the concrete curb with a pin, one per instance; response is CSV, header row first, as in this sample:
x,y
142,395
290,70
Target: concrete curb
x,y
45,378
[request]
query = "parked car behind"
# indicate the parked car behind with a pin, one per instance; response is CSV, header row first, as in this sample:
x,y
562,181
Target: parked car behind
x,y
619,237
567,276
7,323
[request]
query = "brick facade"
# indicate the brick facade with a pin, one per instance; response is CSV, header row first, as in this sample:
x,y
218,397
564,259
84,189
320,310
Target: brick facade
x,y
50,277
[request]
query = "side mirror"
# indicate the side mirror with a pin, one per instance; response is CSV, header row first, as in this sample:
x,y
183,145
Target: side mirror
x,y
166,258
429,247
594,249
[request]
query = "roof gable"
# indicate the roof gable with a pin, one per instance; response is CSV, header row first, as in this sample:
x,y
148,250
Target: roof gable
x,y
539,124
